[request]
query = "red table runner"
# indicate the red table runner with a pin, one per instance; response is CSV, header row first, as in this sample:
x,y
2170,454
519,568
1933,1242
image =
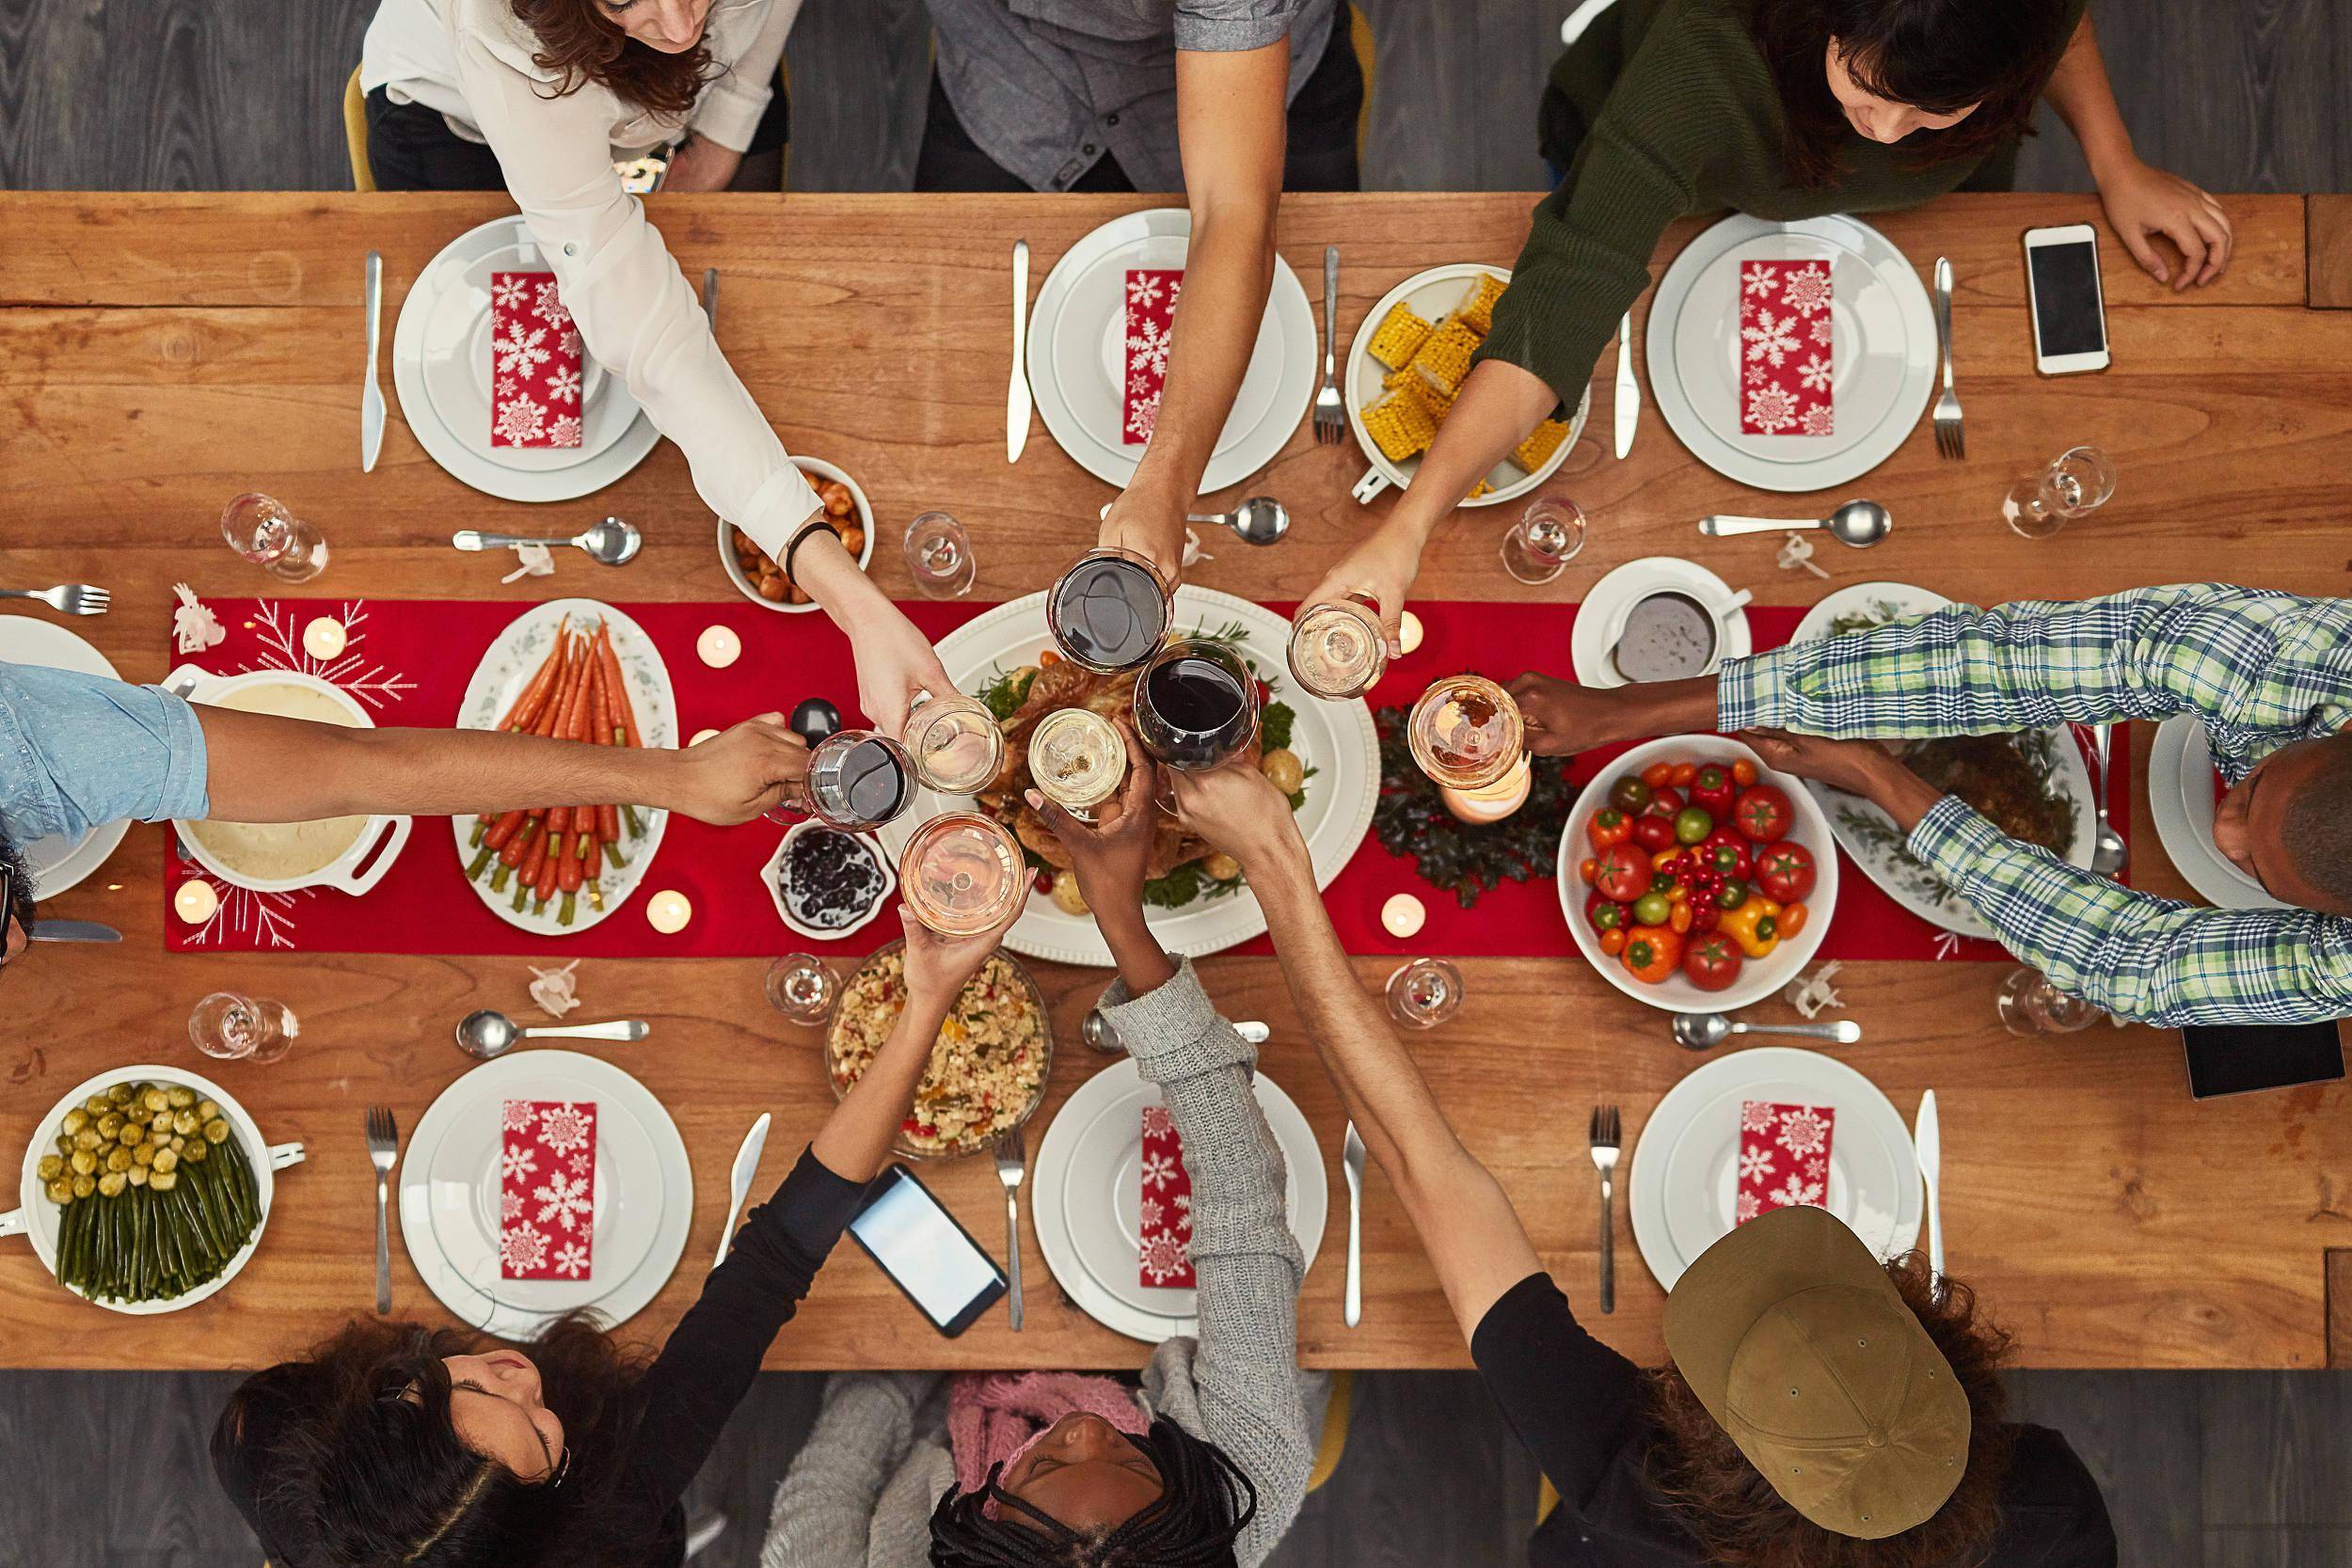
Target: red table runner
x,y
407,661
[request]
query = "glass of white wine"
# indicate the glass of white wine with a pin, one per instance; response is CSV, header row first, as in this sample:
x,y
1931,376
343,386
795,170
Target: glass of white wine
x,y
954,742
1336,649
962,873
1077,759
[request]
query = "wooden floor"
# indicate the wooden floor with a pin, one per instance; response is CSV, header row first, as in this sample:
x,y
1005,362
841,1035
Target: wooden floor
x,y
2227,1469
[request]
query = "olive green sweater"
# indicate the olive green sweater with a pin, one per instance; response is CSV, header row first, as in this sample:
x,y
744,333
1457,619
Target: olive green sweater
x,y
1665,107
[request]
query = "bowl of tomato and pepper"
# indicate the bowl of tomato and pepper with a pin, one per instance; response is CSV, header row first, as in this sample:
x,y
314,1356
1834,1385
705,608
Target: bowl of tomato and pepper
x,y
1693,878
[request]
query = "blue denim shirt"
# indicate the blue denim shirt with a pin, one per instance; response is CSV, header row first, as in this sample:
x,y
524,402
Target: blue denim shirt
x,y
77,750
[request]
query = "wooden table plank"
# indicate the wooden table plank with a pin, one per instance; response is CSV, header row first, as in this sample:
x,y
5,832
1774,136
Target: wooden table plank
x,y
169,351
2330,243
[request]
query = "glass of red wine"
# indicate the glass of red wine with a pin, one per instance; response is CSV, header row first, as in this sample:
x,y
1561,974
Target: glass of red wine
x,y
857,780
1196,704
1109,611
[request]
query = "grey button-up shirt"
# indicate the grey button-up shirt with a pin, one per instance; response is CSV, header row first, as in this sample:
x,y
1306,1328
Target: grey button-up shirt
x,y
1046,87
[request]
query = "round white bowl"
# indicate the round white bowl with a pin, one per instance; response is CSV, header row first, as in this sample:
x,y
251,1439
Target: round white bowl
x,y
1759,978
772,873
816,468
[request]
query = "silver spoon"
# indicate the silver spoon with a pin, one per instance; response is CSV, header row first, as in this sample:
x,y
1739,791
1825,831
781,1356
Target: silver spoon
x,y
612,541
486,1034
2108,854
1860,524
1705,1031
1259,520
1097,1032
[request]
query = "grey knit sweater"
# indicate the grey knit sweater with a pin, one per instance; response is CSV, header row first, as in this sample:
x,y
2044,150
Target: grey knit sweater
x,y
860,1493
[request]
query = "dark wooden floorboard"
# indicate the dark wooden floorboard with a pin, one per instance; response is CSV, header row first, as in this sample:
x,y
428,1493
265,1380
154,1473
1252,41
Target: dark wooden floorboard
x,y
2142,1435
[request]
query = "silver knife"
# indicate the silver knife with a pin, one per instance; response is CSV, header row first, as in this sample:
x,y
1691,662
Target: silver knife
x,y
739,1182
1017,403
710,297
1628,400
372,395
1352,1166
45,929
1927,1136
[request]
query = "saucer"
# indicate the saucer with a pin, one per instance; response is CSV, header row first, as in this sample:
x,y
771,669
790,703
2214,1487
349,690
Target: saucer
x,y
1588,644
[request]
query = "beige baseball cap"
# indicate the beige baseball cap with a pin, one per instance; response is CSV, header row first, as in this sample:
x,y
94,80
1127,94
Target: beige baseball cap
x,y
1795,1339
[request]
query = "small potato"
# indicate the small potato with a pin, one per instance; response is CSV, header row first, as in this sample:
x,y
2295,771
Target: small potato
x,y
794,594
1284,769
852,539
1066,897
1221,866
772,589
835,495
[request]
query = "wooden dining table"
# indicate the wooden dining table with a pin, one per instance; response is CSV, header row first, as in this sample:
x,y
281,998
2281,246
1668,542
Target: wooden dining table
x,y
161,354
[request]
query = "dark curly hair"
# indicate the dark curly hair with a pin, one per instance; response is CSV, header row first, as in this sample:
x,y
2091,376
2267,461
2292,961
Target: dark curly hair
x,y
1699,1474
578,38
1939,55
355,1464
1205,1504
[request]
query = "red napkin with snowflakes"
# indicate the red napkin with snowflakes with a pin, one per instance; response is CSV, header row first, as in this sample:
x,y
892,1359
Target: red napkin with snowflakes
x,y
1150,317
535,363
547,1189
1785,349
1164,1253
1783,1157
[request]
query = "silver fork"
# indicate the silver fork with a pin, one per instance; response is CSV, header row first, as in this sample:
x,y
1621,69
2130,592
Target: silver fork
x,y
1951,437
383,1148
1011,1164
71,598
1605,1142
1330,409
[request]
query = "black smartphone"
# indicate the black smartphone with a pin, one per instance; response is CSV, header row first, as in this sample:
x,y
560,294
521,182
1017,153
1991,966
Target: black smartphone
x,y
924,1252
2236,1059
2070,315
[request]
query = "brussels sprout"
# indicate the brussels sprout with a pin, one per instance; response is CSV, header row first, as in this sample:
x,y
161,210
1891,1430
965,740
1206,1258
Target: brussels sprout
x,y
177,1142
110,1125
87,1138
111,1185
132,1135
181,1099
216,1131
196,1151
144,1155
97,1104
155,1100
208,1109
184,1122
117,1158
165,1161
49,1168
85,1185
163,1181
61,1190
138,1175
120,1093
84,1162
75,1120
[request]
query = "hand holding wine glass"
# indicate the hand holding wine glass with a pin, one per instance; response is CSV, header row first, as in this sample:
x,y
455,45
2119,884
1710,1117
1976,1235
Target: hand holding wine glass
x,y
938,967
1110,853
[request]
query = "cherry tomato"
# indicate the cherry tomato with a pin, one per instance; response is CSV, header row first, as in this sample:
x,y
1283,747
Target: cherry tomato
x,y
1793,918
1704,917
1651,908
1711,962
1712,789
1664,803
1604,913
1607,826
1733,893
1629,794
1743,772
1682,775
1762,814
1692,825
1623,873
1613,942
1678,918
1656,774
1654,832
1585,871
1727,852
1785,873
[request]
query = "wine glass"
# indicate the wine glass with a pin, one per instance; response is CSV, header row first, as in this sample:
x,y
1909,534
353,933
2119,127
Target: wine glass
x,y
1077,759
1546,538
801,988
1467,734
1336,649
939,553
1424,993
2078,482
2029,1004
274,539
954,742
857,780
1196,704
242,1028
1108,612
963,873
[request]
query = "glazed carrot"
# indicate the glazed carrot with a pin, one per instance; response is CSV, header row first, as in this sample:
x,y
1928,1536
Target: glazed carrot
x,y
525,709
545,888
617,689
511,852
567,872
607,817
594,866
533,857
501,830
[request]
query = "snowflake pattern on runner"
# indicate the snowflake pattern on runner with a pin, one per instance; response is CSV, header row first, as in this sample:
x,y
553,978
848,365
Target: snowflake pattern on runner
x,y
564,384
522,350
572,1259
1164,1227
562,1201
1805,1132
568,1126
547,305
564,431
547,1189
517,1161
522,1251
510,1207
1149,325
1143,416
535,363
1786,354
507,290
1166,1260
1157,1123
519,421
520,1116
1158,1171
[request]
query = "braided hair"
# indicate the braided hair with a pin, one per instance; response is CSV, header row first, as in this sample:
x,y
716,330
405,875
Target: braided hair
x,y
1205,1504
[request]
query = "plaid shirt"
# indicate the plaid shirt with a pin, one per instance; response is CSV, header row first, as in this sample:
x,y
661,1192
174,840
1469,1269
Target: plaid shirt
x,y
2263,670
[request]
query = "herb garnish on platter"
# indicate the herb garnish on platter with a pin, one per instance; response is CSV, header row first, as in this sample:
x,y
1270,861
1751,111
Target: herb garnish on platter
x,y
1462,858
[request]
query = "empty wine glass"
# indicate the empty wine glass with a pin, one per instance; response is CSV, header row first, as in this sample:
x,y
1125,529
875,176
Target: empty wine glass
x,y
939,553
801,988
1424,993
1545,539
2078,482
239,1028
2029,1004
274,539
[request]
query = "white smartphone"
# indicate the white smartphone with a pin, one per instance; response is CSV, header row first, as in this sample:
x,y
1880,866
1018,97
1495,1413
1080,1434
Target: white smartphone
x,y
2070,315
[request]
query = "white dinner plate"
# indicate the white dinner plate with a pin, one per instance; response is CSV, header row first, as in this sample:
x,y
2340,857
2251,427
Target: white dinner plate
x,y
2181,777
1430,296
57,863
1588,637
1684,1163
1336,739
459,441
507,665
449,1191
1883,349
1869,836
1077,354
1085,1192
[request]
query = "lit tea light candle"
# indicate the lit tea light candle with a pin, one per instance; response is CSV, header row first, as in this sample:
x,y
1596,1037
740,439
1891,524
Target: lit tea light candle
x,y
1402,915
1408,633
1492,804
668,911
196,901
325,637
701,736
718,646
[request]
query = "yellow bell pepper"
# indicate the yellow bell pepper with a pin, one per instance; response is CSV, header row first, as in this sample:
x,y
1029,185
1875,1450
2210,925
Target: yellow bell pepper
x,y
1754,925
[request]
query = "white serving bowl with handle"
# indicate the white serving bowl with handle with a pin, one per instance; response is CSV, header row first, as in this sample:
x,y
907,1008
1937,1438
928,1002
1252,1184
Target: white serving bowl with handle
x,y
1759,978
360,867
37,1217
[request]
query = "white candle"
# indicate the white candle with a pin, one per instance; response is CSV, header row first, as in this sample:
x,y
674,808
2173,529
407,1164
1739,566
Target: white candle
x,y
325,637
1408,633
1402,915
668,911
701,736
196,902
718,646
1494,802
